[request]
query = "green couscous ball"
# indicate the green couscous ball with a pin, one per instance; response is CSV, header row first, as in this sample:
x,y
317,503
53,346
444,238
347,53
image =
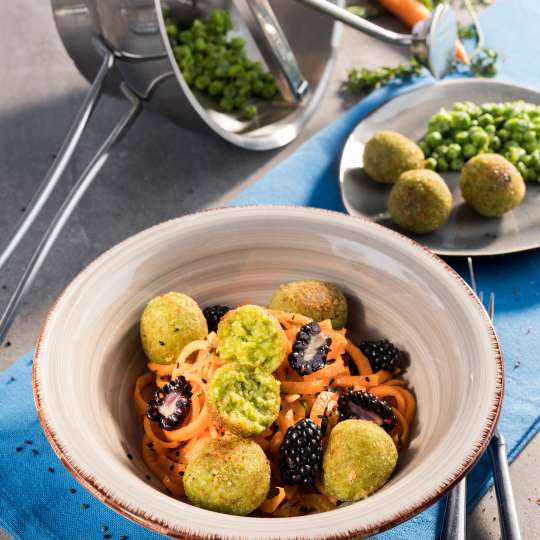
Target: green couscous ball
x,y
389,154
244,400
420,201
229,475
359,459
317,300
252,336
168,323
491,185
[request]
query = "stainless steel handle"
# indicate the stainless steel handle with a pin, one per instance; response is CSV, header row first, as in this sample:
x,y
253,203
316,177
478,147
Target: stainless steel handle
x,y
76,192
453,527
503,488
270,38
64,155
365,26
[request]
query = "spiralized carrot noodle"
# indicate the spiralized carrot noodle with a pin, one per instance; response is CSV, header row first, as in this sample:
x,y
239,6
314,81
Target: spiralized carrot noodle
x,y
360,360
314,396
271,505
160,369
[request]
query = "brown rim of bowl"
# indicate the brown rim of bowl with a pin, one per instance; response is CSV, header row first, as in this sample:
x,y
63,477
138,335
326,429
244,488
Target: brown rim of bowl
x,y
157,525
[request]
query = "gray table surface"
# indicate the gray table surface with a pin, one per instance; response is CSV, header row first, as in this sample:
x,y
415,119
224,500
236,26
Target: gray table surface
x,y
158,172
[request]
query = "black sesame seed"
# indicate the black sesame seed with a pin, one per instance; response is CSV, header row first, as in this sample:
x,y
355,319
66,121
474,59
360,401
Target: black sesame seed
x,y
35,452
84,506
123,537
18,449
8,344
72,491
162,343
11,379
51,470
104,529
148,477
107,536
129,456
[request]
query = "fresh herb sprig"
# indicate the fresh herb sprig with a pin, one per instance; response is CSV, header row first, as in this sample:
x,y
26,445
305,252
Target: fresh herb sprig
x,y
366,80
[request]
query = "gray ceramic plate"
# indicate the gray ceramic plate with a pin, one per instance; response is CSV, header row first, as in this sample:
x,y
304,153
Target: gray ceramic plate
x,y
465,232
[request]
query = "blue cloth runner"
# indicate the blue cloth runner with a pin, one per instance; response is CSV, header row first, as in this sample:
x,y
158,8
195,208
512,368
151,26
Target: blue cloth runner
x,y
39,499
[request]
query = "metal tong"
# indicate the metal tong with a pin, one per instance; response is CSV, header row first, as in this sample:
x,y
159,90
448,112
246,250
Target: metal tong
x,y
454,521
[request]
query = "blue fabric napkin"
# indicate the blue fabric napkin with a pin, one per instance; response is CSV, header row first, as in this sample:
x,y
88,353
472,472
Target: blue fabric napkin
x,y
39,499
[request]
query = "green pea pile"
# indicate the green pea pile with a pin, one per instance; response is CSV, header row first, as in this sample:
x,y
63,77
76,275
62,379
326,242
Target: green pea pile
x,y
217,65
510,129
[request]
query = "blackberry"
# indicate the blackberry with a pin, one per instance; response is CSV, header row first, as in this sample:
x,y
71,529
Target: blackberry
x,y
301,454
309,349
365,406
170,404
213,315
381,355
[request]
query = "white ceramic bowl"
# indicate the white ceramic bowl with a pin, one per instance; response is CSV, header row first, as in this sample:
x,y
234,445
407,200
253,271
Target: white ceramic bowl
x,y
88,356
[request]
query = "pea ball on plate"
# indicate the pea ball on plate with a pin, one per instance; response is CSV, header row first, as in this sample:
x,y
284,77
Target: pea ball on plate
x,y
491,185
315,299
389,154
229,475
359,459
244,400
251,335
420,201
168,323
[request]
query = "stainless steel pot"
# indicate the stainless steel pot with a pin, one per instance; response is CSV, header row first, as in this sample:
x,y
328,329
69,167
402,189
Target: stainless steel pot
x,y
134,30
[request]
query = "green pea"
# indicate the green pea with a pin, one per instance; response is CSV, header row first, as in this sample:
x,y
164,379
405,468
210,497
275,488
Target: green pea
x,y
431,164
257,87
474,122
216,88
237,43
226,103
530,147
269,91
186,36
511,144
434,138
236,70
516,124
517,136
249,111
202,82
424,146
221,70
529,137
504,134
172,30
229,91
522,168
479,137
460,119
514,153
461,137
486,119
490,129
239,101
454,151
535,159
527,160
200,44
440,121
531,175
441,150
469,150
442,164
457,164
496,142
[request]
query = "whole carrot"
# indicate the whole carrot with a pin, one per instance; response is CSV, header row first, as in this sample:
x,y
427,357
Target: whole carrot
x,y
412,12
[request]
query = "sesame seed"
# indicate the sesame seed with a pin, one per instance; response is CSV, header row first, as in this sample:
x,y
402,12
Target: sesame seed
x,y
27,441
148,477
18,449
84,506
35,452
72,490
130,456
51,469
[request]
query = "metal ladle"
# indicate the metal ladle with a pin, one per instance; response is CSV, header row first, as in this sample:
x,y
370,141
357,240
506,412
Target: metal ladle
x,y
432,40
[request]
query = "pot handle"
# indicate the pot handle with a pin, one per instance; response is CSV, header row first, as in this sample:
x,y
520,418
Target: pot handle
x,y
77,191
